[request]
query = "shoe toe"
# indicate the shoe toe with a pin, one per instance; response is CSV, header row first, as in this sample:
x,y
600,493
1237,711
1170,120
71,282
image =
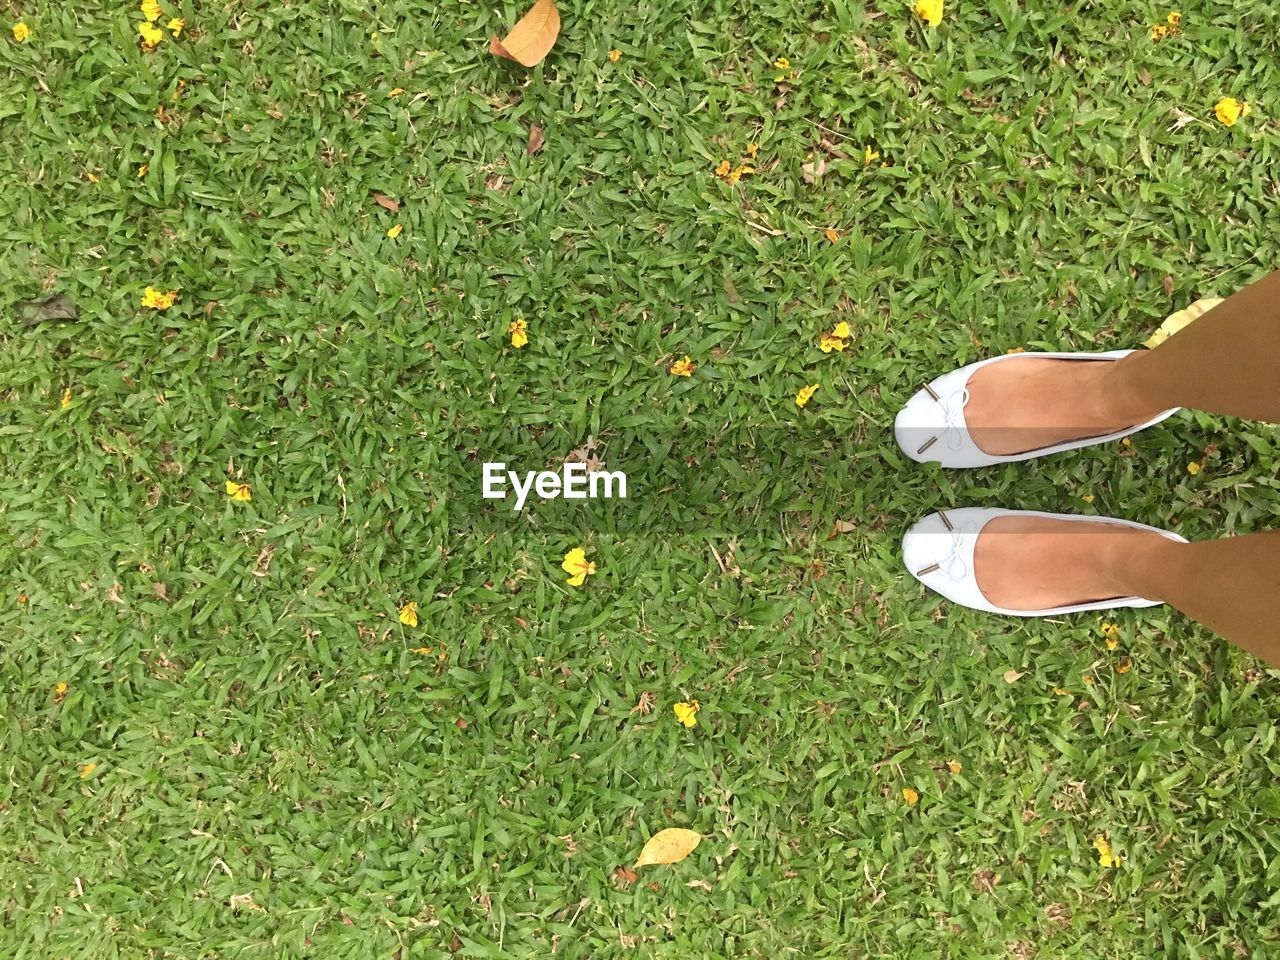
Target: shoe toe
x,y
917,422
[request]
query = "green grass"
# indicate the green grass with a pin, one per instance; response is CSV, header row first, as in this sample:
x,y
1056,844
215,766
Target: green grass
x,y
264,733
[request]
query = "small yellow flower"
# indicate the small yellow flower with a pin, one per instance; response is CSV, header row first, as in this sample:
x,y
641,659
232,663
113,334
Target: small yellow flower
x,y
395,92
911,796
826,344
1059,692
576,564
158,300
842,330
91,176
176,26
424,651
1124,666
687,713
151,35
66,398
1088,680
21,31
869,156
519,330
930,11
1193,468
1174,19
87,770
1105,857
59,691
683,367
1159,31
615,56
409,617
395,231
832,234
739,172
1126,442
805,393
22,599
1229,110
1087,497
782,63
239,492
151,10
752,150
722,168
142,170
955,766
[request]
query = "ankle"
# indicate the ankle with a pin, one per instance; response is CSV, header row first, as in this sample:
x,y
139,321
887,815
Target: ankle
x,y
1139,564
1125,395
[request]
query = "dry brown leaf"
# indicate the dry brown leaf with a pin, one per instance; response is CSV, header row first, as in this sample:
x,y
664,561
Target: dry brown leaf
x,y
668,846
624,877
814,169
382,200
1012,676
842,526
532,37
536,140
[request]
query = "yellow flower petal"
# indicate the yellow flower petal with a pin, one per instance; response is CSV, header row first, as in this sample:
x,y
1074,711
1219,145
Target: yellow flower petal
x,y
615,56
842,330
409,617
519,333
395,231
687,712
1228,110
1193,468
21,31
151,36
66,397
176,26
805,393
87,770
239,492
954,766
682,368
911,796
151,10
930,11
159,300
576,563
1105,857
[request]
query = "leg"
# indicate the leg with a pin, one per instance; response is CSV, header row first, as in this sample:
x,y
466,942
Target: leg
x,y
1231,586
1227,361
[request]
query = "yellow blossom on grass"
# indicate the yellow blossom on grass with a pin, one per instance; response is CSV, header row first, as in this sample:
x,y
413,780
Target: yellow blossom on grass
x,y
578,566
21,31
827,343
519,330
1124,666
1193,468
87,770
842,330
683,367
930,11
59,691
395,91
142,170
1174,19
159,300
151,10
752,150
409,617
1105,857
687,713
1059,692
911,796
151,36
239,492
739,172
805,393
723,168
1228,110
1111,633
1087,497
395,231
832,234
176,26
869,156
91,176
1159,31
66,397
782,63
615,56
954,766
424,651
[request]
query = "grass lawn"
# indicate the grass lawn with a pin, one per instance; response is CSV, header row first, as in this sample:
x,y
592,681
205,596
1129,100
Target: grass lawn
x,y
253,757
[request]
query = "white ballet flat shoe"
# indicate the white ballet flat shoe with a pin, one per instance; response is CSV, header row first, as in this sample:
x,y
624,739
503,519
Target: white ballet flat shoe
x,y
931,427
938,551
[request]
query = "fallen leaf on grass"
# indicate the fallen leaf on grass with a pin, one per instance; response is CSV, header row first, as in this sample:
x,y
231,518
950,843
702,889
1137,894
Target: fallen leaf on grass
x,y
813,170
382,200
624,877
1012,676
842,526
668,846
56,307
532,37
1176,321
536,140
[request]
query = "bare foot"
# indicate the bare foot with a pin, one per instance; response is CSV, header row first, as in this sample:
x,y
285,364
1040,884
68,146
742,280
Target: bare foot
x,y
1024,404
1036,563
